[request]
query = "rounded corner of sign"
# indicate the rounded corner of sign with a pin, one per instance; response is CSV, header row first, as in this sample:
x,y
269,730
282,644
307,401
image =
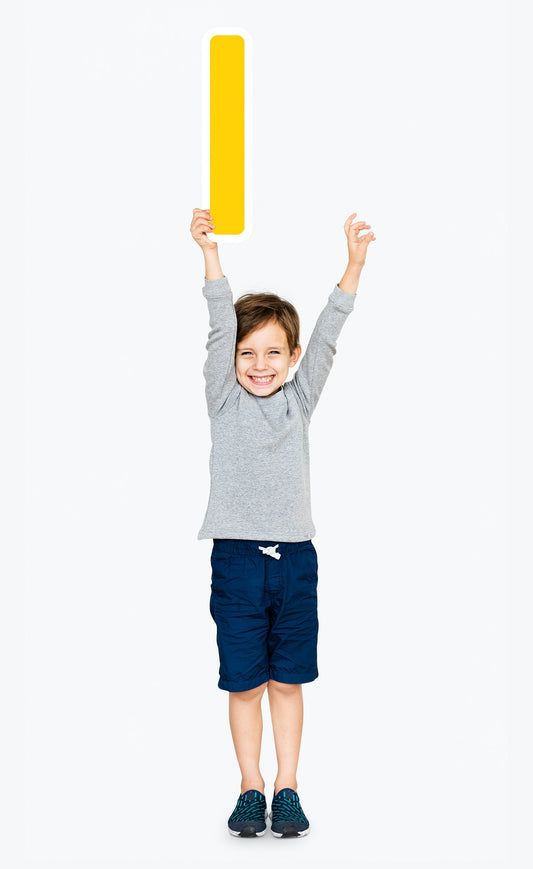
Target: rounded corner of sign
x,y
227,31
206,42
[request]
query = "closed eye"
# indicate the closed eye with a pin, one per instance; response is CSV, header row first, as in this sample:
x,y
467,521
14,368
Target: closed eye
x,y
249,353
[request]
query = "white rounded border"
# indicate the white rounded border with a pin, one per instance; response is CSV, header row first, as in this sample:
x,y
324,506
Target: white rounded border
x,y
206,187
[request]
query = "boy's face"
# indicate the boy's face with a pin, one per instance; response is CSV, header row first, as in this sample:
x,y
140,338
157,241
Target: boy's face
x,y
263,359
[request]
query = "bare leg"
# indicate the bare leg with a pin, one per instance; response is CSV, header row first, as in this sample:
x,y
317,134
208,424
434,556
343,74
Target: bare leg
x,y
287,712
246,723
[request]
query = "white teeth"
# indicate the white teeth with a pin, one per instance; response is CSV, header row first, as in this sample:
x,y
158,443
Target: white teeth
x,y
262,379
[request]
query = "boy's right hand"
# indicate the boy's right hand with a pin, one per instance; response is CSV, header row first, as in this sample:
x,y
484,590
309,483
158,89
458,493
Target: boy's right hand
x,y
201,224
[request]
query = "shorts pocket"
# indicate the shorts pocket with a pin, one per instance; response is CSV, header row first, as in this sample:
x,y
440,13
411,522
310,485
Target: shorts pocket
x,y
227,574
220,564
308,565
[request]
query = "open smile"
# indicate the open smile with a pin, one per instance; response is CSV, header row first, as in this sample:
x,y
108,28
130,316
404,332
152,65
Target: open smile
x,y
262,381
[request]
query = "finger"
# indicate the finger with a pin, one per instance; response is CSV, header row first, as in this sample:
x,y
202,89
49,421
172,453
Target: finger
x,y
356,237
201,223
203,215
349,219
201,210
200,235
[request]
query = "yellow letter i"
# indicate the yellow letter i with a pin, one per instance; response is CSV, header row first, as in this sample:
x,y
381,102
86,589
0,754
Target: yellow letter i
x,y
227,124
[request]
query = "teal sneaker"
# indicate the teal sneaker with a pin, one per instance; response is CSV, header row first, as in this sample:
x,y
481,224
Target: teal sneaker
x,y
249,815
288,819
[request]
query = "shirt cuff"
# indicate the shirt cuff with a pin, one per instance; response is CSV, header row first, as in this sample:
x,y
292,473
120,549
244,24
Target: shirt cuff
x,y
343,301
216,288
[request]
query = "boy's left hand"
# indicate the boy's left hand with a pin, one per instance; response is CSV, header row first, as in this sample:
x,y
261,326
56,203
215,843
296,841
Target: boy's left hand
x,y
357,245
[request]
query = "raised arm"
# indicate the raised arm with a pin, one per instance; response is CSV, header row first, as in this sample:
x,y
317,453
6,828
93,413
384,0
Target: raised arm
x,y
317,361
219,368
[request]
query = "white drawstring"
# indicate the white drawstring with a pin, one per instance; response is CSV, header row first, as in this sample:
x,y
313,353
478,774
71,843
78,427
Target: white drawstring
x,y
270,550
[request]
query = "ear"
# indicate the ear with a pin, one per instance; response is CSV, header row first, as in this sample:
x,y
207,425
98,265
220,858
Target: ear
x,y
295,355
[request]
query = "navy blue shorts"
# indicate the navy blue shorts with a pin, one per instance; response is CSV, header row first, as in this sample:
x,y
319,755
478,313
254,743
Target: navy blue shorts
x,y
265,609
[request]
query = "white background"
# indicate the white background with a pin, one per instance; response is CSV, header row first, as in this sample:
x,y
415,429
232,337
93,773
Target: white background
x,y
396,111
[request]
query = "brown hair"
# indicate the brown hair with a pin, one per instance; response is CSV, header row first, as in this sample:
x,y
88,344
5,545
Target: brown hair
x,y
254,310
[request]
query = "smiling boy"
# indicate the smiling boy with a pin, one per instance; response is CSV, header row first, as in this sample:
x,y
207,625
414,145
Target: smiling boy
x,y
263,356
264,565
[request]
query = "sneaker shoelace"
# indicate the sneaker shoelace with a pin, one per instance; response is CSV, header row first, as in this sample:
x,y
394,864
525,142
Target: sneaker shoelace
x,y
250,807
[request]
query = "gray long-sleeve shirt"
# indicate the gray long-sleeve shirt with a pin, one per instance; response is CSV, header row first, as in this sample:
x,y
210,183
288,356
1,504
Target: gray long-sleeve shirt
x,y
259,463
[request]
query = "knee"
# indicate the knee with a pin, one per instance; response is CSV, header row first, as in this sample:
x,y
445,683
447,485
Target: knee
x,y
284,688
250,695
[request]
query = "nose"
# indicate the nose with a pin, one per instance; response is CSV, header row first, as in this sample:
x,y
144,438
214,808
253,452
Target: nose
x,y
260,363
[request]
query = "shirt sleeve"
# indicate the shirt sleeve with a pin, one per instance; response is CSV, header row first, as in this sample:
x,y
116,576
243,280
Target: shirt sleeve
x,y
317,361
219,368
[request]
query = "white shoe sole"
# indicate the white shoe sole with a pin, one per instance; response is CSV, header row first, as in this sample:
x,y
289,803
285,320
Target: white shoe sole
x,y
235,833
261,833
298,835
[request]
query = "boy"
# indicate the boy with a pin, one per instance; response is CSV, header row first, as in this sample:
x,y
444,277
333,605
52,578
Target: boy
x,y
264,565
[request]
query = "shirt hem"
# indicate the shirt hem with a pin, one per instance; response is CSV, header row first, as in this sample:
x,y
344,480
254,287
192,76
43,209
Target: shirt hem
x,y
256,535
